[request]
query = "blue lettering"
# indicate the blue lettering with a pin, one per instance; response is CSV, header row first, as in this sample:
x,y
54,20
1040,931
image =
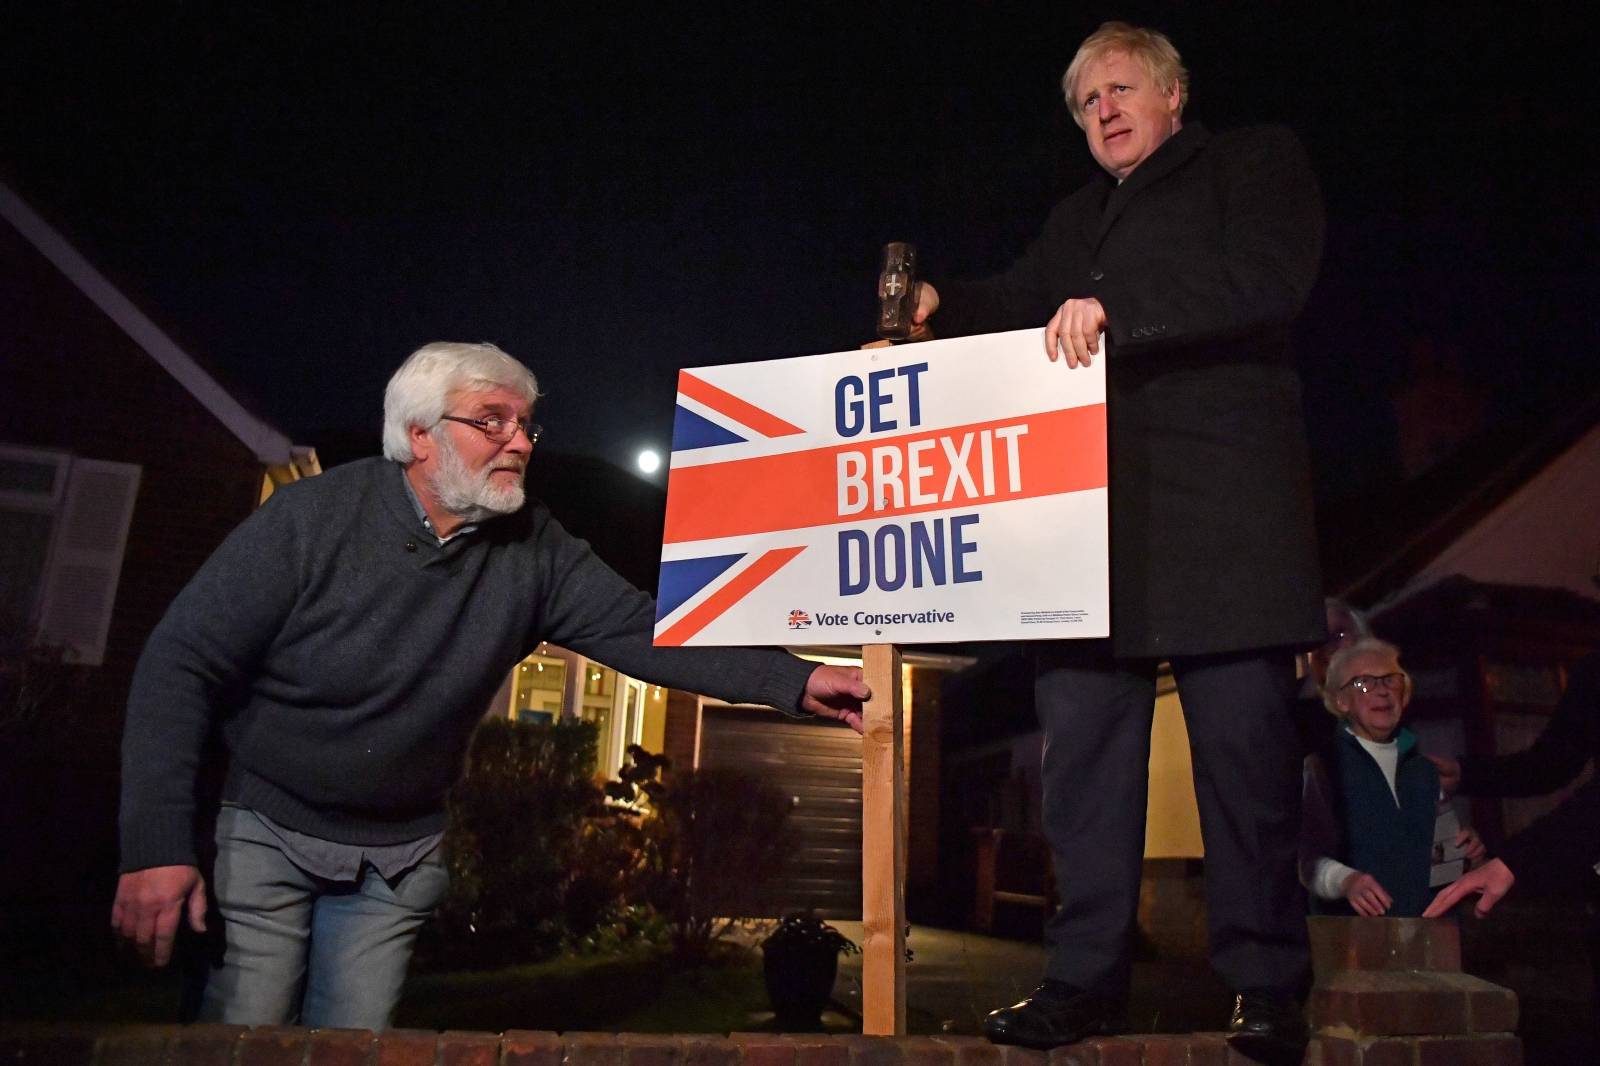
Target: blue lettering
x,y
959,546
847,413
876,399
910,374
937,555
890,539
927,546
856,539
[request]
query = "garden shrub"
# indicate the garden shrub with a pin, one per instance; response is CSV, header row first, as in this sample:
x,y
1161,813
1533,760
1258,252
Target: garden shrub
x,y
712,843
540,861
521,860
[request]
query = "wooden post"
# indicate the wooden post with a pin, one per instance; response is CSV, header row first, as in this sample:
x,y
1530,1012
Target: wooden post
x,y
883,847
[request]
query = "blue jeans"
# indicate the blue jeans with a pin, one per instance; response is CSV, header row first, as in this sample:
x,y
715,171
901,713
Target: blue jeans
x,y
303,949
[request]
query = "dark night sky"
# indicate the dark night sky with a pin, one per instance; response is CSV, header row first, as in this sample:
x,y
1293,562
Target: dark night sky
x,y
301,199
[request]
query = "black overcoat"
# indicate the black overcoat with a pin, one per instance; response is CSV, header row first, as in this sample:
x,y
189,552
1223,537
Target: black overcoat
x,y
1202,258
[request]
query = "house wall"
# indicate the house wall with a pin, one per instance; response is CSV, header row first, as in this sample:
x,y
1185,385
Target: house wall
x,y
680,739
73,381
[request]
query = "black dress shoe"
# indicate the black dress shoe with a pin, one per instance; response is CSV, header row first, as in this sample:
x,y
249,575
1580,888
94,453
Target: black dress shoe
x,y
1055,1014
1269,1027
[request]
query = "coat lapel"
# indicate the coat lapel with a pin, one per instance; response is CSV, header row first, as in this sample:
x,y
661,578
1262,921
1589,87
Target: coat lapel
x,y
1178,150
1091,221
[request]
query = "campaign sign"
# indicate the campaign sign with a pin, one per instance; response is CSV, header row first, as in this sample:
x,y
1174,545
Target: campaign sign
x,y
942,491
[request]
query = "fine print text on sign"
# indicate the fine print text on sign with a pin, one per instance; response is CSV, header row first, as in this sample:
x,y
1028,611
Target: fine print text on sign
x,y
944,491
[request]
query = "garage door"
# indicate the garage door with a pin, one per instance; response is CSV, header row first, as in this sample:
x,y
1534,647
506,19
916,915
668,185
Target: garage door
x,y
818,765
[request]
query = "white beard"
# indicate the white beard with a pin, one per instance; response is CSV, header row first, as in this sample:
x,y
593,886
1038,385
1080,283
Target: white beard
x,y
474,496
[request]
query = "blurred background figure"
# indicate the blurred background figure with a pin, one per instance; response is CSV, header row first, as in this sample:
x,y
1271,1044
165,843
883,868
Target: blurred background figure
x,y
1556,855
1373,807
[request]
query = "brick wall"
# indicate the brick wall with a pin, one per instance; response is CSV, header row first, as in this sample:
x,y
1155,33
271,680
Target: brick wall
x,y
680,736
219,1045
222,1045
1389,993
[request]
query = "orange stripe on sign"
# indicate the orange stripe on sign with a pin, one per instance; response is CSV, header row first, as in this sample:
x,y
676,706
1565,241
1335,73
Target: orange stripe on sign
x,y
1061,451
727,596
768,425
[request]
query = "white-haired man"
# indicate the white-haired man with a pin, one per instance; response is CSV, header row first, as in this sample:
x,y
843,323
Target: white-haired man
x,y
343,642
1192,254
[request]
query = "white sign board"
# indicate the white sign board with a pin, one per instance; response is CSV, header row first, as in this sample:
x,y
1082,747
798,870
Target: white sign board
x,y
945,491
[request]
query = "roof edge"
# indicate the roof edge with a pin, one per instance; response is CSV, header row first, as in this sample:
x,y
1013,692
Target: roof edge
x,y
265,443
1384,583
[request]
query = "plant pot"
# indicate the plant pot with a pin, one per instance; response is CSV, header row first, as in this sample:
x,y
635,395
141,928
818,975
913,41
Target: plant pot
x,y
799,978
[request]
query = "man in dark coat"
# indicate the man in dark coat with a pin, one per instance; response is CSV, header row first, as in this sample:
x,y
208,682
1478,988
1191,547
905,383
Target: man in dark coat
x,y
1192,258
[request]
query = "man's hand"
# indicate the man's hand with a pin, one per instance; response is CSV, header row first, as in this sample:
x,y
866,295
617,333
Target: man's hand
x,y
149,904
836,692
1493,880
1367,896
1471,845
927,304
1449,773
1074,331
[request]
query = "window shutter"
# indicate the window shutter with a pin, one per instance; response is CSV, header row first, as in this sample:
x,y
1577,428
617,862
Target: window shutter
x,y
86,557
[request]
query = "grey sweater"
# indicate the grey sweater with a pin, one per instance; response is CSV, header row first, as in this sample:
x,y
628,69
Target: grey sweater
x,y
345,656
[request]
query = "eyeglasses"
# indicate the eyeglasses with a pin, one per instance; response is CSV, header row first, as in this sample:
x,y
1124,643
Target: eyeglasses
x,y
1368,683
500,430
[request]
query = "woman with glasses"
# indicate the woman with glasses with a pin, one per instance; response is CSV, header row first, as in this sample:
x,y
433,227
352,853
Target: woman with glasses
x,y
1371,799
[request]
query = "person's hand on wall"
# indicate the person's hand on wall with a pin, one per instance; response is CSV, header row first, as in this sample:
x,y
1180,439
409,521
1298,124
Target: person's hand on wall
x,y
1366,895
1491,881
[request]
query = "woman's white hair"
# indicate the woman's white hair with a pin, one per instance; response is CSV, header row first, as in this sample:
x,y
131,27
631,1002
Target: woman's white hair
x,y
1339,670
420,389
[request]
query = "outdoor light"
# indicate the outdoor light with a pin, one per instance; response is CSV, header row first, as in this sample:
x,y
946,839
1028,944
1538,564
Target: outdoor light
x,y
649,461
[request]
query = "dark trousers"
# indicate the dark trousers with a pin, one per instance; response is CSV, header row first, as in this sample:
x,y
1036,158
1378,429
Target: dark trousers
x,y
1096,713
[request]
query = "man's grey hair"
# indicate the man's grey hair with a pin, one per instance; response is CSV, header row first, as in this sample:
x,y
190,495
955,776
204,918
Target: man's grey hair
x,y
1340,669
1149,48
420,389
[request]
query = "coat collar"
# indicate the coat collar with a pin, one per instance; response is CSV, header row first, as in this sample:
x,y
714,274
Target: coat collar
x,y
1173,153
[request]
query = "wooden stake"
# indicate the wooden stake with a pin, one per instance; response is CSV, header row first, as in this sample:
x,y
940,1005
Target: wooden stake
x,y
883,847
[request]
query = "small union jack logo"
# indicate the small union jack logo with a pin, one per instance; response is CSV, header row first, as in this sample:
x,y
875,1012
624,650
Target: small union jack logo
x,y
799,620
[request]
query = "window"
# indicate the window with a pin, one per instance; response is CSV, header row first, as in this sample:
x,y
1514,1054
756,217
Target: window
x,y
64,522
538,685
617,705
